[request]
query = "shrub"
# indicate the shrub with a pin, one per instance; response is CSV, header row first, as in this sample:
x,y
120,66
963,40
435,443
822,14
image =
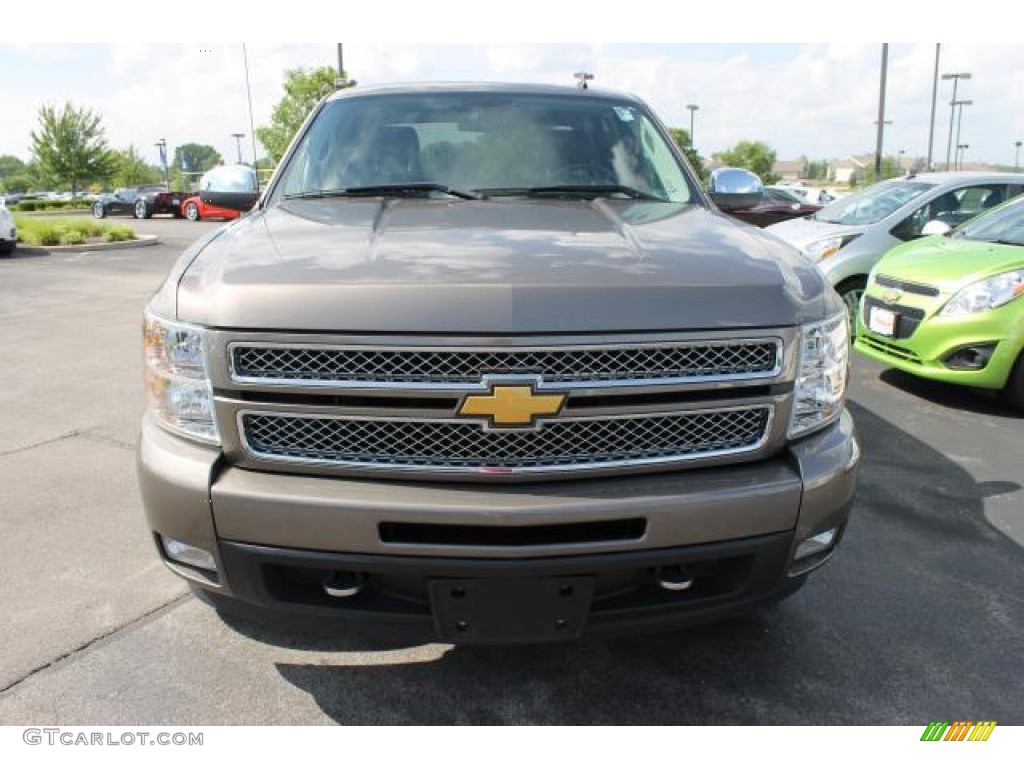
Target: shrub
x,y
47,234
90,228
26,205
72,238
119,233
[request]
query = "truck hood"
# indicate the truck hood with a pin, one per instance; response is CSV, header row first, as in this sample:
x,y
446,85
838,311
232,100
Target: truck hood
x,y
496,267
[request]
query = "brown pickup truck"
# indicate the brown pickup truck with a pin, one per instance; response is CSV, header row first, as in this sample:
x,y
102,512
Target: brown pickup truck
x,y
488,360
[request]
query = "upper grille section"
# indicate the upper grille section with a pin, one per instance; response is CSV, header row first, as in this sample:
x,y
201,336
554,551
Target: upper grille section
x,y
905,285
460,446
429,367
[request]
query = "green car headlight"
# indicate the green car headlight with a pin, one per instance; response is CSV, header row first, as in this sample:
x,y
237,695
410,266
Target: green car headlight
x,y
986,294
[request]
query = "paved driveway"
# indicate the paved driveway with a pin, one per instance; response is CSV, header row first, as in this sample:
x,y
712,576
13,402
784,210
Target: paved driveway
x,y
918,618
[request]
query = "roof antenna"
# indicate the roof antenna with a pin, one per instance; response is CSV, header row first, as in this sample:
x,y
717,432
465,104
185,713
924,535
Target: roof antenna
x,y
582,78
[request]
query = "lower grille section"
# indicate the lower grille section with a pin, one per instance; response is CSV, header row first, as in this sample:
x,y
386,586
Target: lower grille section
x,y
891,349
460,446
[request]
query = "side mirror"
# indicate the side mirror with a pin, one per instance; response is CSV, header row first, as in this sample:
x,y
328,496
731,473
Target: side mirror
x,y
936,227
735,189
235,187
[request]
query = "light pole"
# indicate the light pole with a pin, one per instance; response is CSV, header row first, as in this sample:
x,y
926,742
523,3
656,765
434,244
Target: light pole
x,y
162,146
878,149
899,161
881,111
935,93
582,78
956,77
961,151
238,143
1016,157
960,104
693,108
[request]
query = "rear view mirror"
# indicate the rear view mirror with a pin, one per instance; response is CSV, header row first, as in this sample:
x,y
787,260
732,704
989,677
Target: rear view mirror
x,y
735,189
235,187
936,227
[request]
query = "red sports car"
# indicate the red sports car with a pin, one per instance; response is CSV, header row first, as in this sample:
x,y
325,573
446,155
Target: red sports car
x,y
195,209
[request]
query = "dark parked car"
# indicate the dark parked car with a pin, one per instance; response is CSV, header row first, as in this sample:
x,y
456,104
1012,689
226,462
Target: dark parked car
x,y
776,205
140,202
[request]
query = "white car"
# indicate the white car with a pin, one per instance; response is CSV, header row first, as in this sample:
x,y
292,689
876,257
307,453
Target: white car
x,y
8,232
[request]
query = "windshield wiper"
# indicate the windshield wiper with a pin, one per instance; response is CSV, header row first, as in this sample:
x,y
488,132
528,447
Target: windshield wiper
x,y
387,190
579,190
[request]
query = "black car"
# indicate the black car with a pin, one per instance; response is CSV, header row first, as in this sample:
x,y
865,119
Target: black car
x,y
140,202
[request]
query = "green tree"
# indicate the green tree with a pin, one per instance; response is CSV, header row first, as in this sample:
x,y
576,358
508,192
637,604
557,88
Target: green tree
x,y
681,137
70,147
303,88
131,170
10,166
199,158
818,170
755,156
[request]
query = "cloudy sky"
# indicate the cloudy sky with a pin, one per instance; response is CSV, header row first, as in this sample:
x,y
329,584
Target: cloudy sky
x,y
813,99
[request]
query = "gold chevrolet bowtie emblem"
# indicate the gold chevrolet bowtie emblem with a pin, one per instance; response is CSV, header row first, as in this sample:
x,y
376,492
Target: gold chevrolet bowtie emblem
x,y
892,295
511,406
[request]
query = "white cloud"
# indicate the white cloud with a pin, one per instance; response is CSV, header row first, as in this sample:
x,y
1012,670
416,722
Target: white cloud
x,y
818,100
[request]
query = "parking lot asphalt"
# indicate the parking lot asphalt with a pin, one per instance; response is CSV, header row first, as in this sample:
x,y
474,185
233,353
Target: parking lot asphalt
x,y
918,618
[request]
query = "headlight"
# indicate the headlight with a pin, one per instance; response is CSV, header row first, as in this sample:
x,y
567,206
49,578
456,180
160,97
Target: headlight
x,y
821,381
986,294
820,250
178,391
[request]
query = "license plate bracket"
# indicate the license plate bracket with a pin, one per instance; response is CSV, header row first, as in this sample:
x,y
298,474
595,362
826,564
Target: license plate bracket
x,y
511,610
882,321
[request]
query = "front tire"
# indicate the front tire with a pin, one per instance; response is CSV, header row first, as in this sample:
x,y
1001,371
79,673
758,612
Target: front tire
x,y
192,212
98,210
1013,392
7,248
851,291
142,210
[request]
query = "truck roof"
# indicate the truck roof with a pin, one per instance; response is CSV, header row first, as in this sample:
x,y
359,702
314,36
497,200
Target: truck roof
x,y
484,87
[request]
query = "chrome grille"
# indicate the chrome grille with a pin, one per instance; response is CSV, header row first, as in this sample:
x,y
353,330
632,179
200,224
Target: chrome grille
x,y
451,445
704,360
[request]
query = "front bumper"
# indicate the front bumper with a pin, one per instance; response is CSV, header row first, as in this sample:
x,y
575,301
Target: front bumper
x,y
936,338
276,537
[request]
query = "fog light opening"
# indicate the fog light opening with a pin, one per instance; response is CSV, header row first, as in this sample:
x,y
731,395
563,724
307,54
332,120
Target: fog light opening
x,y
973,358
815,545
186,554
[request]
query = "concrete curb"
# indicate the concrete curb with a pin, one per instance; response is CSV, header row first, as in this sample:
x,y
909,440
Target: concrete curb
x,y
90,247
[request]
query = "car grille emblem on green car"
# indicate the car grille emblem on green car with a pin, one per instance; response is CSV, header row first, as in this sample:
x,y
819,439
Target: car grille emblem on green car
x,y
892,295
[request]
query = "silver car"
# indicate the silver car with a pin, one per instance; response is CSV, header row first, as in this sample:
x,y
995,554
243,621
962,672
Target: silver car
x,y
847,237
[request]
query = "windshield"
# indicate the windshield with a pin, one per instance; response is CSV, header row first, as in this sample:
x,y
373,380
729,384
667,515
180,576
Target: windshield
x,y
873,203
489,143
1004,224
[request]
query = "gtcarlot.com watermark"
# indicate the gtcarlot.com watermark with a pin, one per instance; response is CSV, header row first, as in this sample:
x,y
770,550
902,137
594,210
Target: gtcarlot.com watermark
x,y
71,737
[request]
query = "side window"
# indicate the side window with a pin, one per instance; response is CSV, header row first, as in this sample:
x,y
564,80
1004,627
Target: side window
x,y
953,207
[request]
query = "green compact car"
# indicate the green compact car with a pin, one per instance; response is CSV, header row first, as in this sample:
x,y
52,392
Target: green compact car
x,y
949,307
